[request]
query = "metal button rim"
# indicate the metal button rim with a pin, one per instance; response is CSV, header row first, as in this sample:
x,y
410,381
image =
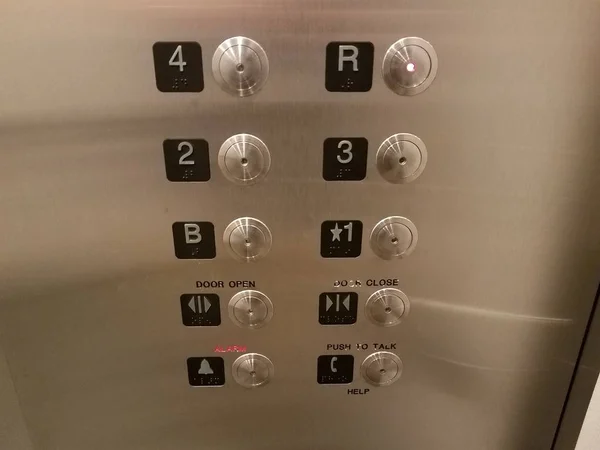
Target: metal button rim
x,y
250,293
388,221
242,359
252,140
244,222
384,293
252,45
395,139
389,56
379,355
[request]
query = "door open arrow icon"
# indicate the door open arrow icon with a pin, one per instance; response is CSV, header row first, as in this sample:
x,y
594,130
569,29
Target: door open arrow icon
x,y
199,304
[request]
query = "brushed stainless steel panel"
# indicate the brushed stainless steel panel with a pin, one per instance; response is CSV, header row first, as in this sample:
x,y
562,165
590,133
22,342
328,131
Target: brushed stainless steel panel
x,y
501,282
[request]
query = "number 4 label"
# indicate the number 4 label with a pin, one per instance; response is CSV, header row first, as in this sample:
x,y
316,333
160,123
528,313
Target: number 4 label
x,y
178,66
177,58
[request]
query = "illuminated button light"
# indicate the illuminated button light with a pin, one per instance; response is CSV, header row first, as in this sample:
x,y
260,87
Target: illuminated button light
x,y
409,66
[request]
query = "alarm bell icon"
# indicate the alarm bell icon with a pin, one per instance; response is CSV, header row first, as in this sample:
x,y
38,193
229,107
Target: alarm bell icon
x,y
205,368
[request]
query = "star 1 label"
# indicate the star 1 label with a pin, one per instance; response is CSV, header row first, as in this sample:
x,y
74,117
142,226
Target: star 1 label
x,y
341,238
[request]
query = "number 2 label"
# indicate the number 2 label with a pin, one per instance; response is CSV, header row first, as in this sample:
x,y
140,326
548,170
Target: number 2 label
x,y
186,159
189,149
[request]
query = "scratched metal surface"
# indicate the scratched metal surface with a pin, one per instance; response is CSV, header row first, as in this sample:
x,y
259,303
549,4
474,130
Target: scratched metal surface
x,y
501,282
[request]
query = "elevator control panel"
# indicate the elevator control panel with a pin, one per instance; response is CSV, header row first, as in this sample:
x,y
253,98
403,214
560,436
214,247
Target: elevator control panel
x,y
240,68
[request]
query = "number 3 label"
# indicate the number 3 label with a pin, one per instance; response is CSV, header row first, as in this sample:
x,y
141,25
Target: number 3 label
x,y
345,158
346,151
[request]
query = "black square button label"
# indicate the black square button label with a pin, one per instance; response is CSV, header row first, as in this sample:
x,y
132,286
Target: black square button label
x,y
200,310
338,308
345,159
178,66
194,240
341,238
349,66
206,371
186,159
335,369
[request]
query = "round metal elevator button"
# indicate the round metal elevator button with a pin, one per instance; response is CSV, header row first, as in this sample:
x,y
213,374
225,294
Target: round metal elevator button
x,y
381,368
401,158
247,239
387,307
244,159
250,309
252,370
240,66
394,237
409,66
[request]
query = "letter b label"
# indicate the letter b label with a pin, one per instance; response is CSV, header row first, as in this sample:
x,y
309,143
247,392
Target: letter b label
x,y
192,233
194,240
